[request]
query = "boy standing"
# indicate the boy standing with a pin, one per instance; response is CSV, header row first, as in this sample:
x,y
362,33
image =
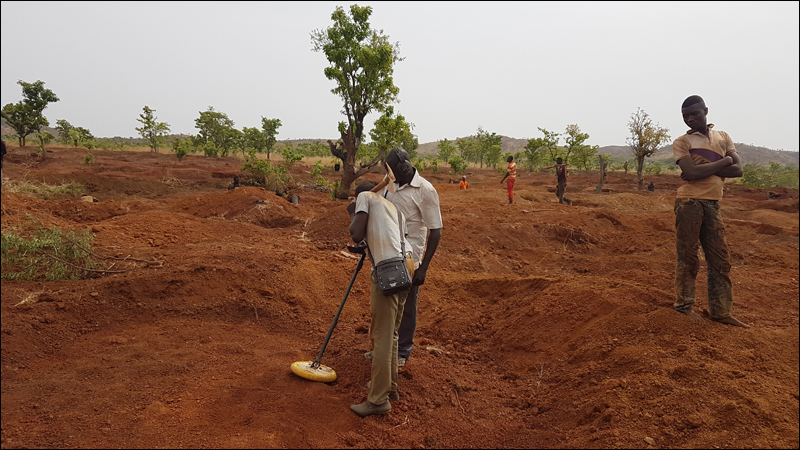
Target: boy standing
x,y
706,157
510,178
561,175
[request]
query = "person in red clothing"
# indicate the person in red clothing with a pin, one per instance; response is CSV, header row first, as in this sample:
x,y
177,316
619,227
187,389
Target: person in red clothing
x,y
463,184
510,177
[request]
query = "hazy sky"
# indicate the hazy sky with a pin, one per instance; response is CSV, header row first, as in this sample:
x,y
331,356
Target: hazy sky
x,y
509,67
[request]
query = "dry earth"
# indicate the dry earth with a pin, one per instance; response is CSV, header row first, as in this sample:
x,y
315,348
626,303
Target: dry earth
x,y
541,325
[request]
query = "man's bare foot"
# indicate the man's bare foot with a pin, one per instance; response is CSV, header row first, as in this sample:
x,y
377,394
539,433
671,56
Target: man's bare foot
x,y
693,316
731,321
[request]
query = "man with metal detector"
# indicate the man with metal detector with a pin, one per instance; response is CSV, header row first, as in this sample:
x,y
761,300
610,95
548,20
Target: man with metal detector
x,y
417,199
376,221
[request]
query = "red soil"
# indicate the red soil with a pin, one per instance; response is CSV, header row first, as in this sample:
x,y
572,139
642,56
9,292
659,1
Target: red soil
x,y
541,325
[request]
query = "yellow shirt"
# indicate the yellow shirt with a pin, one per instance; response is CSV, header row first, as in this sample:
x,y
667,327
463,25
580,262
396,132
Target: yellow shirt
x,y
703,150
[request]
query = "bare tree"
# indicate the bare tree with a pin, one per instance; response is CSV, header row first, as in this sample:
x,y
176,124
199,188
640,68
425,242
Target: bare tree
x,y
645,139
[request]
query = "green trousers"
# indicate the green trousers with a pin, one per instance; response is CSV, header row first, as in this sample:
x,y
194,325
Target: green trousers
x,y
387,312
698,223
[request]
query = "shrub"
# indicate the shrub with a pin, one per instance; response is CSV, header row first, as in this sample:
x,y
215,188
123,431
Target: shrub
x,y
89,159
46,255
262,173
767,177
317,169
458,164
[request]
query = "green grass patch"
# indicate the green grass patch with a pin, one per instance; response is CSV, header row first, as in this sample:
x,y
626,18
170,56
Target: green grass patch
x,y
70,190
46,254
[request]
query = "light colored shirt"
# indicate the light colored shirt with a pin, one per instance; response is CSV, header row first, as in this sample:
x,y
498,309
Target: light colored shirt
x,y
419,203
383,231
703,150
511,170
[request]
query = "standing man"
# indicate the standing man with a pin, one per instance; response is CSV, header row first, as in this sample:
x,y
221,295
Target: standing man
x,y
417,199
510,177
375,220
706,157
561,174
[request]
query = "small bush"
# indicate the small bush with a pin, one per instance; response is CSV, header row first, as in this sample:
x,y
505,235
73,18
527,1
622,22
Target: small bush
x,y
262,173
46,255
89,159
44,191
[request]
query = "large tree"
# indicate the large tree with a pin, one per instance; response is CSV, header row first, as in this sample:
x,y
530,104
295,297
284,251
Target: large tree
x,y
25,116
646,137
151,129
362,64
216,134
446,150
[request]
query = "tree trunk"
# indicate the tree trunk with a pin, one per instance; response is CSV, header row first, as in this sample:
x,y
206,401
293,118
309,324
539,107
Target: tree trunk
x,y
639,169
603,165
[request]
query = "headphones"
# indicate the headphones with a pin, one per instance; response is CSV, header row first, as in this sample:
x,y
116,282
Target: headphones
x,y
403,163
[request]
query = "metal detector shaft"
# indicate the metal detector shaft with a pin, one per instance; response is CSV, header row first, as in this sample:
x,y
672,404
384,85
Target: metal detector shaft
x,y
336,317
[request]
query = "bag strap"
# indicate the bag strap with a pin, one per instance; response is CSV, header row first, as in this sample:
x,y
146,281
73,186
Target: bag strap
x,y
402,238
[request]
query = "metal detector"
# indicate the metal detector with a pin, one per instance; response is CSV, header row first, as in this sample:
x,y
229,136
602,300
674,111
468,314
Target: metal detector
x,y
314,370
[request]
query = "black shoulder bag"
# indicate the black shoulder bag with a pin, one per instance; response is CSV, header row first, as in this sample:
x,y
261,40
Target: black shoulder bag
x,y
392,273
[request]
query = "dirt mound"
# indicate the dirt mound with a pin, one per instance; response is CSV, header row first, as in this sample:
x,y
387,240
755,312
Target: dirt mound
x,y
541,325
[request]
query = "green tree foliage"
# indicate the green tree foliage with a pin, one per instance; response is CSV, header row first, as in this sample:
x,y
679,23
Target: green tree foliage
x,y
467,148
763,177
361,62
254,141
548,145
151,129
182,147
79,135
391,130
490,148
291,155
262,173
63,127
446,150
25,116
270,129
645,139
215,128
581,154
458,164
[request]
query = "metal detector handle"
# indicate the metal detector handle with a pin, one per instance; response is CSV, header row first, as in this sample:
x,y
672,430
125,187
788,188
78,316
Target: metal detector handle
x,y
316,363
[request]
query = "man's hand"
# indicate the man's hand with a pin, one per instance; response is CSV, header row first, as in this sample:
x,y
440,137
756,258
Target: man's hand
x,y
419,276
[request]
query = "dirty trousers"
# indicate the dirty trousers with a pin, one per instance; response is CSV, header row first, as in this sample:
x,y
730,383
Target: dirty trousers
x,y
698,223
510,186
560,191
387,312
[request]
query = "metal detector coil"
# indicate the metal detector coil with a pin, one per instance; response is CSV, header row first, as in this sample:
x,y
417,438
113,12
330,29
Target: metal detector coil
x,y
313,370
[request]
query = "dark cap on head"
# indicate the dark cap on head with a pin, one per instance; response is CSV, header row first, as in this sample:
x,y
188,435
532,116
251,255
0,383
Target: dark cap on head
x,y
365,186
559,160
692,100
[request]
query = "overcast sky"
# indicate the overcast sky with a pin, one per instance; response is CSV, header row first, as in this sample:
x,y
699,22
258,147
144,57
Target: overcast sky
x,y
509,67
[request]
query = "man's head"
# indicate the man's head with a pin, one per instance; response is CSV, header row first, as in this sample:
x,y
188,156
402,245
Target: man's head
x,y
464,177
364,187
400,162
559,160
694,113
510,158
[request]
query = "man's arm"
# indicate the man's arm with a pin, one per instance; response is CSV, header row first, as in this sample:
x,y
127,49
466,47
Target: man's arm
x,y
358,223
430,249
693,172
733,171
504,178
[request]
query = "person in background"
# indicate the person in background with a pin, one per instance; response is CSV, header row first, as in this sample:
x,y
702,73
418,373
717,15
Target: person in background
x,y
510,177
561,175
463,184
